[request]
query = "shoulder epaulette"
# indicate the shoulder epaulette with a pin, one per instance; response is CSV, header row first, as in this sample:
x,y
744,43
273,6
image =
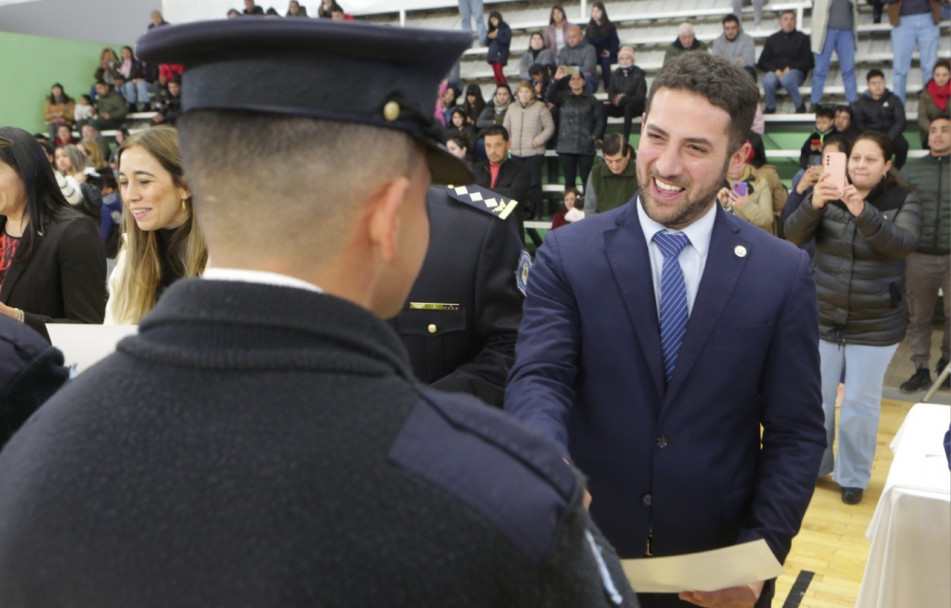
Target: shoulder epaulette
x,y
484,200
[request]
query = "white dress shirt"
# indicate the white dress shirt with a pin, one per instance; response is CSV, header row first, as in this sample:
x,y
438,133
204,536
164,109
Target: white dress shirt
x,y
692,259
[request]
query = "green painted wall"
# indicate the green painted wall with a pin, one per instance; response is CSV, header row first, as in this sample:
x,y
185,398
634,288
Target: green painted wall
x,y
29,67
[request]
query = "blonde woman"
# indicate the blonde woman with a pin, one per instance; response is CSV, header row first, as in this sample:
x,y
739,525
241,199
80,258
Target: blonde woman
x,y
162,241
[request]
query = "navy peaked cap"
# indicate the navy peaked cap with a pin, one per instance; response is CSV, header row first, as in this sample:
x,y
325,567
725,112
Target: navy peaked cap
x,y
352,72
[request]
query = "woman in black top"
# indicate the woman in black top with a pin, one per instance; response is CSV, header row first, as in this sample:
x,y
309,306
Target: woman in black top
x,y
602,34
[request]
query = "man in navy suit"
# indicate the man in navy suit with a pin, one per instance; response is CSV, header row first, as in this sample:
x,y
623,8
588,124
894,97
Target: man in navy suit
x,y
671,440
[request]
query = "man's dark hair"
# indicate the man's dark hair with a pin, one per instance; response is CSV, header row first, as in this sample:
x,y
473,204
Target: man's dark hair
x,y
943,115
614,143
844,108
730,18
788,11
102,82
107,179
459,140
840,141
721,83
873,73
827,111
498,130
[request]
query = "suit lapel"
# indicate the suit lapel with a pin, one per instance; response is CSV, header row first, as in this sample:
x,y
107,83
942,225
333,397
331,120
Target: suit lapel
x,y
721,274
16,270
627,254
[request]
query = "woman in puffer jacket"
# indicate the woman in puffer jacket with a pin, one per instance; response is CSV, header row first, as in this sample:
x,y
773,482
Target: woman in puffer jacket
x,y
863,233
530,125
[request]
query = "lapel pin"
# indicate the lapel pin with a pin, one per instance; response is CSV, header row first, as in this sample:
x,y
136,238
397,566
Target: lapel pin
x,y
740,251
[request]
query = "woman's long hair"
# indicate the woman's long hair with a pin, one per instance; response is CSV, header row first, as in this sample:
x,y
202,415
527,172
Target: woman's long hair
x,y
44,200
498,16
138,284
551,16
66,98
605,25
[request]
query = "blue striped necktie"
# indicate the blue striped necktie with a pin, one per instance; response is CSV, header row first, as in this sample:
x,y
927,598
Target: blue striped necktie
x,y
673,299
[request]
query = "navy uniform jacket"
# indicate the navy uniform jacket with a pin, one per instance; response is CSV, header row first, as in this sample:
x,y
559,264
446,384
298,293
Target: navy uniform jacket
x,y
682,463
461,318
259,446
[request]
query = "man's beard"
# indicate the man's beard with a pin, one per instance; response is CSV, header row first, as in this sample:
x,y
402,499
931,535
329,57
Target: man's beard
x,y
682,216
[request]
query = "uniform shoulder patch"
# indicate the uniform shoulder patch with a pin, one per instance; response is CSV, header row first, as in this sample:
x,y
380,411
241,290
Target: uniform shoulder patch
x,y
525,264
484,200
514,479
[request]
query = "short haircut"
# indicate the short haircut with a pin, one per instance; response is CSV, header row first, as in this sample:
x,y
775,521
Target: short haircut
x,y
839,141
459,140
314,173
873,73
505,86
498,130
845,108
721,83
107,179
731,18
945,115
943,62
614,143
102,82
826,111
684,28
787,11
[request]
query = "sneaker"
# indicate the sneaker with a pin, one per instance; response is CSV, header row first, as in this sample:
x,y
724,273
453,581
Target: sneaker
x,y
942,363
769,111
801,109
851,496
919,381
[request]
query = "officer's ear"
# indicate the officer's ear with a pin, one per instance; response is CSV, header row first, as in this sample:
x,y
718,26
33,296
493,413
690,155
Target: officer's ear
x,y
383,222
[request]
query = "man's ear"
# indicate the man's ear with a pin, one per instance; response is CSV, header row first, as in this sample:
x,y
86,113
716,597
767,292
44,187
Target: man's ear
x,y
384,220
738,158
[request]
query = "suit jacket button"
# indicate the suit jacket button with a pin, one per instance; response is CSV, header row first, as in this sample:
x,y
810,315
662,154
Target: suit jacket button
x,y
662,441
432,328
646,500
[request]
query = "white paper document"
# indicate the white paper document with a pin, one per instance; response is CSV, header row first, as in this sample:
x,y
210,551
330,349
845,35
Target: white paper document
x,y
705,571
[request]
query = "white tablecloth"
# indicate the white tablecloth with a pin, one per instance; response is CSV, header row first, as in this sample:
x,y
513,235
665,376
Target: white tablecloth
x,y
909,563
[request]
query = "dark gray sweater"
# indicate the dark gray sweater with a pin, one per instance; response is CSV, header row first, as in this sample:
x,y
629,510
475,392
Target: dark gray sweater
x,y
267,446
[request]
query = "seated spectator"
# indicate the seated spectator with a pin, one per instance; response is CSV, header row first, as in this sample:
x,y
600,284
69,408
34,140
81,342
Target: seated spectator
x,y
499,39
933,99
111,108
614,181
135,89
834,25
445,102
59,110
94,153
530,126
110,216
83,111
74,164
878,109
59,278
494,113
579,121
250,8
171,107
556,34
232,13
108,68
541,79
757,9
748,196
811,151
473,104
457,147
272,13
294,9
337,13
786,59
63,136
602,34
626,93
458,127
30,372
323,11
580,54
501,174
91,133
736,45
685,41
536,54
162,239
121,135
571,213
843,123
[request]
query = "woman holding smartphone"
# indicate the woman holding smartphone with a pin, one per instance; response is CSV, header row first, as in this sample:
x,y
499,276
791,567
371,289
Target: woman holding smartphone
x,y
749,196
863,231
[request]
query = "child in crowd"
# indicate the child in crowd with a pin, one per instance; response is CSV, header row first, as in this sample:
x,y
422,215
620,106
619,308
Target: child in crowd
x,y
811,153
83,110
572,211
500,36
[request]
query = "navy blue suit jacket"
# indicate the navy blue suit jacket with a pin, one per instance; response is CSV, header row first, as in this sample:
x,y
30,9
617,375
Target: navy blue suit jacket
x,y
683,461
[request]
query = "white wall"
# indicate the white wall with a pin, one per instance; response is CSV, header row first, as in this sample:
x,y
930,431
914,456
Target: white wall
x,y
112,21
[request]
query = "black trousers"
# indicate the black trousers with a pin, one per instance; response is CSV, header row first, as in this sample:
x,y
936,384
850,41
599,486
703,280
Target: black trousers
x,y
571,164
629,108
533,166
